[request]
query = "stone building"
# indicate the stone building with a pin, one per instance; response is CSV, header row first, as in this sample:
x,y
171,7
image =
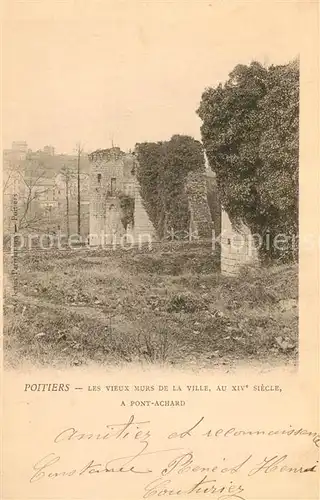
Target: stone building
x,y
113,178
113,181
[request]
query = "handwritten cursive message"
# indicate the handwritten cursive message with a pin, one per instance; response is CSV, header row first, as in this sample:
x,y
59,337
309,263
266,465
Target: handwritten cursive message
x,y
178,467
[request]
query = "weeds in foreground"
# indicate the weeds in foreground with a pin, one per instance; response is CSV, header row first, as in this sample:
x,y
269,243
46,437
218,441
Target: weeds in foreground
x,y
125,310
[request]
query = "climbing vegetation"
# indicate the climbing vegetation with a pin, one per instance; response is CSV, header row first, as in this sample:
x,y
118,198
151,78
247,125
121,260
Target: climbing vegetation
x,y
250,132
162,173
127,210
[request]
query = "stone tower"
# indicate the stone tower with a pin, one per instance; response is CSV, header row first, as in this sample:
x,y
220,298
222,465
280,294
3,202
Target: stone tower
x,y
112,175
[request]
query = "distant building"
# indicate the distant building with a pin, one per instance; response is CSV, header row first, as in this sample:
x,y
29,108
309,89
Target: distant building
x,y
20,147
49,150
36,177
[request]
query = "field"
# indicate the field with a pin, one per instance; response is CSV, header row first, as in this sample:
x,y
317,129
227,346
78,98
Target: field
x,y
168,306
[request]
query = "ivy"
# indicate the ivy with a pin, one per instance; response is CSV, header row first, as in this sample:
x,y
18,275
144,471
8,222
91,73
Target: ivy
x,y
162,173
127,210
250,131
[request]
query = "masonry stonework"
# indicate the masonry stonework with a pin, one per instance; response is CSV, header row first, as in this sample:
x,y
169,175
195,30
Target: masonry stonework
x,y
237,247
112,174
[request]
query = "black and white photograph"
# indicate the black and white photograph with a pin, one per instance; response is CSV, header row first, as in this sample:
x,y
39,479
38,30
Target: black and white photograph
x,y
160,196
151,185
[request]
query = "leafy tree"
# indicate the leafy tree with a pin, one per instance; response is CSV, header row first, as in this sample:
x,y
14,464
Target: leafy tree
x,y
279,148
250,134
162,173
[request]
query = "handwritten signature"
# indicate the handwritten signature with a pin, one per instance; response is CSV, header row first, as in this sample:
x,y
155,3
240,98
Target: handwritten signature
x,y
161,487
43,468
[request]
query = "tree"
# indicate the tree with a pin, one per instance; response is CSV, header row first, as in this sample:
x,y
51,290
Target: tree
x,y
250,134
162,174
9,188
279,148
66,175
67,186
79,153
30,213
30,185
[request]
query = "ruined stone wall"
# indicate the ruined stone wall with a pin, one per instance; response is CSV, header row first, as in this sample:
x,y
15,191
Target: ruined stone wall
x,y
104,208
234,244
143,230
200,217
105,211
237,247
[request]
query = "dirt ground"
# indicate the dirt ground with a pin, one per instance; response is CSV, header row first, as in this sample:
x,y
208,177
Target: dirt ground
x,y
168,306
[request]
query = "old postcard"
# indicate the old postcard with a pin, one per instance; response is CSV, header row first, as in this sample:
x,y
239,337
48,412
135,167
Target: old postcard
x,y
160,200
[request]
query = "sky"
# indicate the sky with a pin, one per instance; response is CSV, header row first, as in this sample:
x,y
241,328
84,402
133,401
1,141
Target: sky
x,y
128,71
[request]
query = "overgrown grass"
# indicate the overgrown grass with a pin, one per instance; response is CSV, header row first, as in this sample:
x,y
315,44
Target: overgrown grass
x,y
167,306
